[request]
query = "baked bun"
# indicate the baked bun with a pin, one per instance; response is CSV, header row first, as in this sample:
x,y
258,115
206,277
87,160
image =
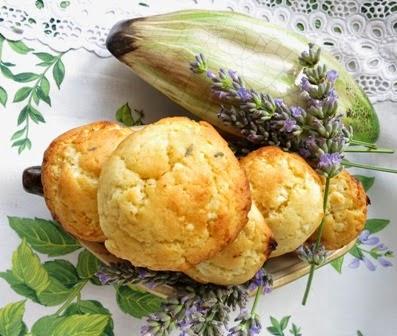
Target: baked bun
x,y
70,172
172,195
242,258
347,212
288,193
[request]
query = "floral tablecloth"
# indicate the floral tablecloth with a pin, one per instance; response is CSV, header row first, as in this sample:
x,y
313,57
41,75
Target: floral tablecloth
x,y
48,86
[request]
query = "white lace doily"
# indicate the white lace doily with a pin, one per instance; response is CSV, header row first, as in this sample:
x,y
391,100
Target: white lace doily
x,y
362,34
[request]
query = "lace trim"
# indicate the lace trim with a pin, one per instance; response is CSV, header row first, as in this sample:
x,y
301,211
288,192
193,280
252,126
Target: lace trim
x,y
362,34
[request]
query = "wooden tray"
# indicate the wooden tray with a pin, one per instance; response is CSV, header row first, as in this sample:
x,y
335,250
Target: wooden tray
x,y
284,269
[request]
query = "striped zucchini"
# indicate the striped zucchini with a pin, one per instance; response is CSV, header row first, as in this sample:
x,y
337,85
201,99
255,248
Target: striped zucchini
x,y
160,48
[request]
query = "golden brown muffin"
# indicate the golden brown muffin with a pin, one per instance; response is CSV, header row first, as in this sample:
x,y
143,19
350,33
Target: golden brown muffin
x,y
242,258
172,195
70,172
346,213
287,191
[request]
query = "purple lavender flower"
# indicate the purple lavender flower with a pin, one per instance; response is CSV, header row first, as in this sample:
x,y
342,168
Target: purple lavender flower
x,y
312,254
381,247
384,262
145,331
261,279
366,238
103,278
370,265
221,95
332,75
244,94
279,102
211,75
233,75
355,263
289,125
304,152
305,85
248,324
315,102
296,111
329,160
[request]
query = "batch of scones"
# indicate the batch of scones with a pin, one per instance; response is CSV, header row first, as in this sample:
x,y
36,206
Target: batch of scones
x,y
172,196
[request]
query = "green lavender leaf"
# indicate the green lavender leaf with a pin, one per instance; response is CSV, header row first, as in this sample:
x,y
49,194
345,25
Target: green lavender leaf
x,y
274,331
44,325
25,77
284,322
35,97
87,265
6,71
359,333
63,271
137,303
26,267
45,85
55,294
124,114
45,57
35,115
79,325
91,307
18,134
58,72
11,316
355,251
44,236
22,94
86,307
337,264
20,47
22,144
43,95
18,286
375,224
367,181
39,4
3,96
275,322
8,64
295,331
23,115
19,143
375,253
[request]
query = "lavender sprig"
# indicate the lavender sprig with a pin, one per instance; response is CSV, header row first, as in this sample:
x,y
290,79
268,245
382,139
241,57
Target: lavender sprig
x,y
197,309
316,132
125,273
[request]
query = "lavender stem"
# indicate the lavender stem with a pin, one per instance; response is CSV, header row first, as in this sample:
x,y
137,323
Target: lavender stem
x,y
363,143
318,241
368,166
356,149
256,301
